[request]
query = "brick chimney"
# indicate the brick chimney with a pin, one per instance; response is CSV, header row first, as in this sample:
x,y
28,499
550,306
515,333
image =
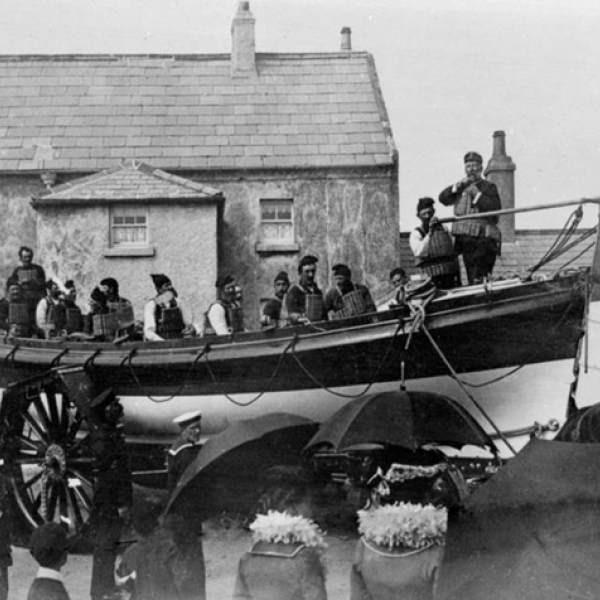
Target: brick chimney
x,y
243,42
501,171
346,39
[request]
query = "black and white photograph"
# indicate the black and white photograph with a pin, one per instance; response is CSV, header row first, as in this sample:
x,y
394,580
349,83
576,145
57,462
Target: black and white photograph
x,y
300,300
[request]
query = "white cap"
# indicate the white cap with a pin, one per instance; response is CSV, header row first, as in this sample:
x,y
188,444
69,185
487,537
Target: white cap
x,y
187,418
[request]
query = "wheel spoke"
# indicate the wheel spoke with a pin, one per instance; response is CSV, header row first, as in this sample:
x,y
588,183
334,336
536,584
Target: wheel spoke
x,y
23,460
51,403
32,445
52,501
84,499
35,427
77,474
41,411
75,509
25,485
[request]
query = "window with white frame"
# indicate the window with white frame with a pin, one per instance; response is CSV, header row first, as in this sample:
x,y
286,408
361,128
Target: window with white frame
x,y
277,220
129,226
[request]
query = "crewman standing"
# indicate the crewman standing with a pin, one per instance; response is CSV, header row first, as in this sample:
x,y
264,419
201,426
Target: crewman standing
x,y
433,248
478,239
304,300
114,494
186,447
31,278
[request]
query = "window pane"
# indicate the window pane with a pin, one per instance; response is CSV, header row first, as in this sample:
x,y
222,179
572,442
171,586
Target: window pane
x,y
270,231
269,212
284,212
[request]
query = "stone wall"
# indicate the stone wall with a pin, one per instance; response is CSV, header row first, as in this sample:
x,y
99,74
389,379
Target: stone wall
x,y
17,226
349,217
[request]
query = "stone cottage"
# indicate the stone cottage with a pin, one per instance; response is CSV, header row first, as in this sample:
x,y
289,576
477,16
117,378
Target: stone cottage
x,y
195,165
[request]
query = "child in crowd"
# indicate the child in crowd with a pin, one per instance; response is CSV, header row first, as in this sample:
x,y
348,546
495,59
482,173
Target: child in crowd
x,y
48,546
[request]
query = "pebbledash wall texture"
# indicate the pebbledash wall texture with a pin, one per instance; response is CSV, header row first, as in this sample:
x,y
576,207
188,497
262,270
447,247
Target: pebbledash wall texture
x,y
310,130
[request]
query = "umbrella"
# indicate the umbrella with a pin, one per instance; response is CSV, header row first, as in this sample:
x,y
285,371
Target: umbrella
x,y
531,531
408,419
224,474
583,426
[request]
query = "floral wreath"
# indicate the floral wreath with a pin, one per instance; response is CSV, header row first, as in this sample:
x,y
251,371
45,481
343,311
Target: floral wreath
x,y
285,528
399,473
404,525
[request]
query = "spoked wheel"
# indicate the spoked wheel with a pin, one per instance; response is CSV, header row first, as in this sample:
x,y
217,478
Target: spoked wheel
x,y
46,451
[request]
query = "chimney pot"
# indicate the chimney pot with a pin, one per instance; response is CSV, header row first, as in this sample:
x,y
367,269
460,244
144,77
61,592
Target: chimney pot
x,y
346,39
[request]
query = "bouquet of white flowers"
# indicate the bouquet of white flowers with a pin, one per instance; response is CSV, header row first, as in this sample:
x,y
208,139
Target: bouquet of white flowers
x,y
284,528
404,525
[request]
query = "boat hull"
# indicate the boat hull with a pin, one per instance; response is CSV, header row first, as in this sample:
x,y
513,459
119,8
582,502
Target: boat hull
x,y
312,370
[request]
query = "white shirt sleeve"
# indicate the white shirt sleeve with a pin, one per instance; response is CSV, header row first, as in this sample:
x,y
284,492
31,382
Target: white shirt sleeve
x,y
41,313
419,244
217,318
150,334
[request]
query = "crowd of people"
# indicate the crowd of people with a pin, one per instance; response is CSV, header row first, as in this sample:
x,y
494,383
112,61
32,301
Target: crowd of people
x,y
45,308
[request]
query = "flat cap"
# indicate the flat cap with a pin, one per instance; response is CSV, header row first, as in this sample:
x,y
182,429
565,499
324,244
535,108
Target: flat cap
x,y
473,157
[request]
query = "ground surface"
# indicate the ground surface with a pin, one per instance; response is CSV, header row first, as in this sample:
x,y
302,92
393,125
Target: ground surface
x,y
223,546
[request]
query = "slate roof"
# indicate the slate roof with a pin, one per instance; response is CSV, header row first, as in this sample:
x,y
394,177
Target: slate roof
x,y
130,181
85,113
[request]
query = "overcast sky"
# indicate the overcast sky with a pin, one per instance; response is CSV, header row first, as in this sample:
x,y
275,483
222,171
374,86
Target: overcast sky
x,y
452,72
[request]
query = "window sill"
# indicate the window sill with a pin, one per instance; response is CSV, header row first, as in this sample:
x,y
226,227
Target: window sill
x,y
129,252
272,247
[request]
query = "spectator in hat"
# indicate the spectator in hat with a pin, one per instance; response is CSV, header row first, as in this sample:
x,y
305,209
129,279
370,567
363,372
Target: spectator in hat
x,y
274,310
113,494
220,314
185,448
297,305
48,546
346,298
433,248
478,240
5,549
166,316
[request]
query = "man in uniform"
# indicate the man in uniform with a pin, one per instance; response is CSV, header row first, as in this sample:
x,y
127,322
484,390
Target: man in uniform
x,y
433,248
156,326
477,240
186,447
296,299
338,301
113,497
273,312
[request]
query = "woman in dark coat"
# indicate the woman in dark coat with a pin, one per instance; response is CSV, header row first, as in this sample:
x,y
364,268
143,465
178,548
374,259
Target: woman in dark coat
x,y
285,560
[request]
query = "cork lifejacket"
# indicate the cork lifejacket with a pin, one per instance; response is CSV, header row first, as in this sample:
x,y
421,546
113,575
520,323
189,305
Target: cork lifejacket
x,y
441,259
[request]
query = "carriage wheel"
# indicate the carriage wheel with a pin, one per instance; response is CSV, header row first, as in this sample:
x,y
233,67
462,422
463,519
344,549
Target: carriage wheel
x,y
49,462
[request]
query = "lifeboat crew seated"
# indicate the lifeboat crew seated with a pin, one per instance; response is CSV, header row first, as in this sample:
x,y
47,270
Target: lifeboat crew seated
x,y
119,305
398,279
224,316
347,299
73,319
166,316
50,312
274,311
304,300
185,448
433,248
14,312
